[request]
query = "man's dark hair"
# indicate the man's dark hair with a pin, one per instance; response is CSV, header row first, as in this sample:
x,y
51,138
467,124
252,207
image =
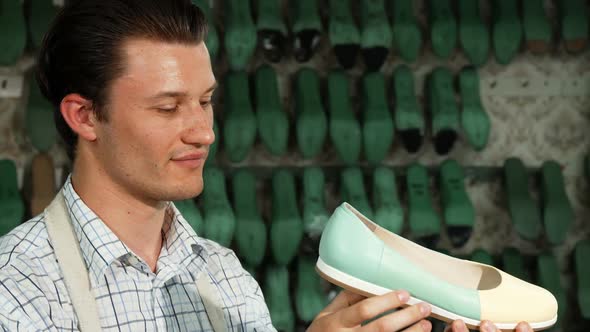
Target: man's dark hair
x,y
82,51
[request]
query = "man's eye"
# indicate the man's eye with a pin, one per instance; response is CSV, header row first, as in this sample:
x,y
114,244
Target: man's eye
x,y
206,103
168,109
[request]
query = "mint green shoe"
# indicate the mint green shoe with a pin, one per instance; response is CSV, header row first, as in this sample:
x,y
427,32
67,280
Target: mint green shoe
x,y
475,121
309,297
389,213
39,120
473,32
558,214
424,222
286,229
315,215
454,288
273,123
272,32
239,130
549,278
444,110
483,257
240,33
537,29
214,147
42,13
523,209
378,129
250,228
306,29
407,36
507,30
443,28
12,208
278,300
219,218
375,33
409,119
574,25
345,130
13,32
581,254
459,212
513,262
353,190
212,41
345,36
312,124
191,214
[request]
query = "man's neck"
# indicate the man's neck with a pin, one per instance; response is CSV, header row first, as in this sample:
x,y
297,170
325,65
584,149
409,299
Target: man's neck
x,y
136,222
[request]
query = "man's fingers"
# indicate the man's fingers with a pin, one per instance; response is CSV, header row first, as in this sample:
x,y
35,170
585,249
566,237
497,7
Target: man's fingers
x,y
487,326
421,326
344,299
371,307
457,326
523,327
399,319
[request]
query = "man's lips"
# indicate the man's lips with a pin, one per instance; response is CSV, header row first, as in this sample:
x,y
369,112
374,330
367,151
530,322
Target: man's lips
x,y
191,156
191,160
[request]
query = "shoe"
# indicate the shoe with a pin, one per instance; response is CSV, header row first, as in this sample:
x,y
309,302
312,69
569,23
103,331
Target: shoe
x,y
311,118
444,110
558,214
306,29
378,129
409,119
483,257
214,147
537,29
41,14
240,33
574,24
443,28
353,190
344,34
42,183
375,33
219,218
581,254
506,31
278,300
239,130
424,222
12,208
548,277
458,210
273,124
13,32
473,32
189,210
455,288
309,297
389,213
315,215
524,212
39,120
286,230
212,40
514,264
345,131
475,121
407,36
250,228
272,32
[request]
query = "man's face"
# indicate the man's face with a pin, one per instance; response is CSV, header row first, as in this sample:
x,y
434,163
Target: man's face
x,y
160,121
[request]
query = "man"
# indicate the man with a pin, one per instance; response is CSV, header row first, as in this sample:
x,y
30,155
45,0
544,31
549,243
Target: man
x,y
131,83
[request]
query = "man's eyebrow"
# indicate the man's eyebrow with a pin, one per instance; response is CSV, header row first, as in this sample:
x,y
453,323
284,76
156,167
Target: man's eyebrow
x,y
176,94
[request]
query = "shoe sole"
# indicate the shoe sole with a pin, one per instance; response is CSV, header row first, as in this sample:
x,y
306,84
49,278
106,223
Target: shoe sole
x,y
368,289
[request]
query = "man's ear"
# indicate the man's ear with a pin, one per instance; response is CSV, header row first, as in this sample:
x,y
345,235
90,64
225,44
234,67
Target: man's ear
x,y
78,113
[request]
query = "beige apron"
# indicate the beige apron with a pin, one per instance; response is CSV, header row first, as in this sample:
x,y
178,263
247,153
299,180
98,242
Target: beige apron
x,y
71,263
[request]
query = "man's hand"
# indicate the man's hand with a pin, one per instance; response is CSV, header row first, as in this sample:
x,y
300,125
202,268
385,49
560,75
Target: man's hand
x,y
459,326
348,310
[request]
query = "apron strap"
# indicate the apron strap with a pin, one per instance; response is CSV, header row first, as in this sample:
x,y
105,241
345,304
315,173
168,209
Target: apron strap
x,y
71,263
211,301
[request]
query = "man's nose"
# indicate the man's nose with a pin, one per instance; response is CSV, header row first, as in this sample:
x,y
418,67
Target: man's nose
x,y
199,128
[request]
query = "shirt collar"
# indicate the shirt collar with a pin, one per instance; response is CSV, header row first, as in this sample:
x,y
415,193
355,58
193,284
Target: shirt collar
x,y
100,247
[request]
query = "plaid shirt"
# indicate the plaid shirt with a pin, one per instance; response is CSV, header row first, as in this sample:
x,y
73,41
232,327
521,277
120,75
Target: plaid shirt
x,y
129,296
